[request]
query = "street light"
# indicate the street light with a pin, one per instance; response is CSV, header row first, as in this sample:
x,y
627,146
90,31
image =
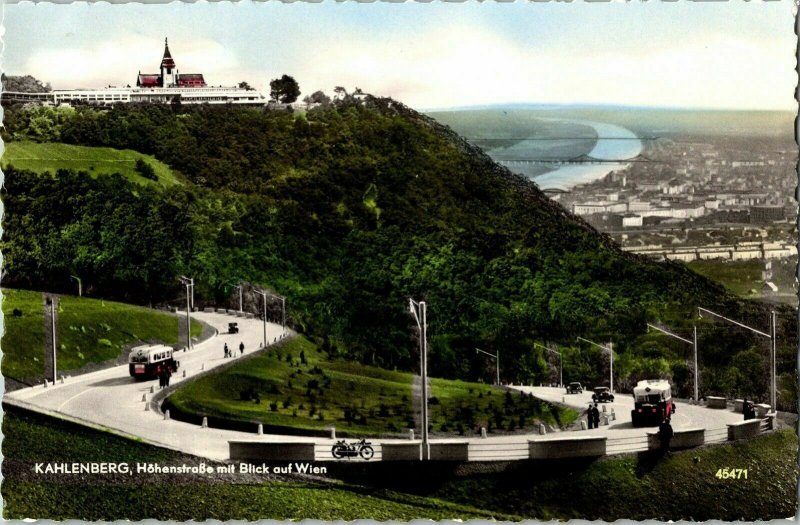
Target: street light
x,y
80,285
264,294
693,342
560,362
497,361
610,350
189,283
772,336
420,312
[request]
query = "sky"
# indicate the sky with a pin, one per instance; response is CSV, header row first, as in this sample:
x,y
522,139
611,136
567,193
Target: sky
x,y
721,55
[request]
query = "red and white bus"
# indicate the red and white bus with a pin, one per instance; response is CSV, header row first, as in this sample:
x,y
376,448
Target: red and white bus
x,y
652,402
147,361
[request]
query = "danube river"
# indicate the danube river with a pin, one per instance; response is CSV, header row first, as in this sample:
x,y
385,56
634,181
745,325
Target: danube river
x,y
613,143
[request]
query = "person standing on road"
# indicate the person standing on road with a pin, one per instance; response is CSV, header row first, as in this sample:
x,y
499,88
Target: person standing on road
x,y
167,376
241,348
748,410
596,416
227,352
590,417
665,435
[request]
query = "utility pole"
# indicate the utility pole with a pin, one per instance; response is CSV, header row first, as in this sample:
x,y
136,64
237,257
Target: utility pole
x,y
496,357
239,286
772,336
610,350
80,285
693,342
51,310
560,362
189,283
264,294
420,312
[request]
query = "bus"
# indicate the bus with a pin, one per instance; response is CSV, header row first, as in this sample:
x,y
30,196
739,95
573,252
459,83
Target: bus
x,y
652,402
146,361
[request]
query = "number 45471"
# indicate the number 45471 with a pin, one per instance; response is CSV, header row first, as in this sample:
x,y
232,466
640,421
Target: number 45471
x,y
731,473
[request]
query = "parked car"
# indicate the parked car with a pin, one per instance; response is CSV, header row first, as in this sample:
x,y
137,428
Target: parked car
x,y
574,388
602,395
233,328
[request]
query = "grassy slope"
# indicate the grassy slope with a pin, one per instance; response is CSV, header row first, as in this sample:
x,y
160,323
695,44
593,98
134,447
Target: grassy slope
x,y
31,438
48,156
383,397
677,487
89,330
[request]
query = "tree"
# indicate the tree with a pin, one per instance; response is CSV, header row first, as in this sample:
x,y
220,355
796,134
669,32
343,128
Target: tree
x,y
244,85
318,97
284,90
145,170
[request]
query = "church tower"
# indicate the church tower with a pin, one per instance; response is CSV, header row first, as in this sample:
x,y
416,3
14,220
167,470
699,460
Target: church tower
x,y
168,72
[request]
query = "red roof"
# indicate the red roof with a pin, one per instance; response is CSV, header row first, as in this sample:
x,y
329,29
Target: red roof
x,y
191,79
148,80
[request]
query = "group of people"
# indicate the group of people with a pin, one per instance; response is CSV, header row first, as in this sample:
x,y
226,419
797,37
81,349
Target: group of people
x,y
164,375
232,353
593,416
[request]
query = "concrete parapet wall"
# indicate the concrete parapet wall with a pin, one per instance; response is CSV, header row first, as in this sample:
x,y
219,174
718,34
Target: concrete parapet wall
x,y
222,311
744,429
738,405
716,402
449,451
762,409
249,315
208,310
577,447
684,438
401,451
272,451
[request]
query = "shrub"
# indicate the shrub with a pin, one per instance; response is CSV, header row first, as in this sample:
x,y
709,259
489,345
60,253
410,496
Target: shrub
x,y
273,406
287,403
145,170
433,401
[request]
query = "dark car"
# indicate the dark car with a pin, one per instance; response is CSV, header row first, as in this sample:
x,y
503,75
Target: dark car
x,y
233,328
574,388
602,395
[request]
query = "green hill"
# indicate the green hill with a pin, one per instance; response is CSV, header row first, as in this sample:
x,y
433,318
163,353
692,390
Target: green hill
x,y
297,387
89,331
350,210
49,156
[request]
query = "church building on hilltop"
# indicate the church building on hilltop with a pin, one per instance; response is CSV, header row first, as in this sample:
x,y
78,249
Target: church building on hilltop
x,y
169,75
168,86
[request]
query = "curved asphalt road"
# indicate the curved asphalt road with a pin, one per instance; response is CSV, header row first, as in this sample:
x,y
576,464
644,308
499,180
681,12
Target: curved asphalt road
x,y
111,399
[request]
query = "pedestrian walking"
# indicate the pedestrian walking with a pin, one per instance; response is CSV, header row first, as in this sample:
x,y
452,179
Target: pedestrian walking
x,y
665,435
227,351
167,376
590,417
241,348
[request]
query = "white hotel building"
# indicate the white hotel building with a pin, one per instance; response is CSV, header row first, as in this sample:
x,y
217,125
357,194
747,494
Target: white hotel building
x,y
167,86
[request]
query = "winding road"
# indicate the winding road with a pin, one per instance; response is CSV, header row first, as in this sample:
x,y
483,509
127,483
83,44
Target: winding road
x,y
111,400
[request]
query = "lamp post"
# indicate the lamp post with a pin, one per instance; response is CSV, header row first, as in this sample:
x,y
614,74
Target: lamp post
x,y
420,312
772,336
189,283
496,359
80,285
610,350
693,342
560,363
264,294
240,286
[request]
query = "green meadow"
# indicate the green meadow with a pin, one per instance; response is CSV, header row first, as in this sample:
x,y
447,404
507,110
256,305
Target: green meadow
x,y
51,156
297,386
89,331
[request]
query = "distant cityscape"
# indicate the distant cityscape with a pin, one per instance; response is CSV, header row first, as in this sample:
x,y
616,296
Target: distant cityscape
x,y
687,200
